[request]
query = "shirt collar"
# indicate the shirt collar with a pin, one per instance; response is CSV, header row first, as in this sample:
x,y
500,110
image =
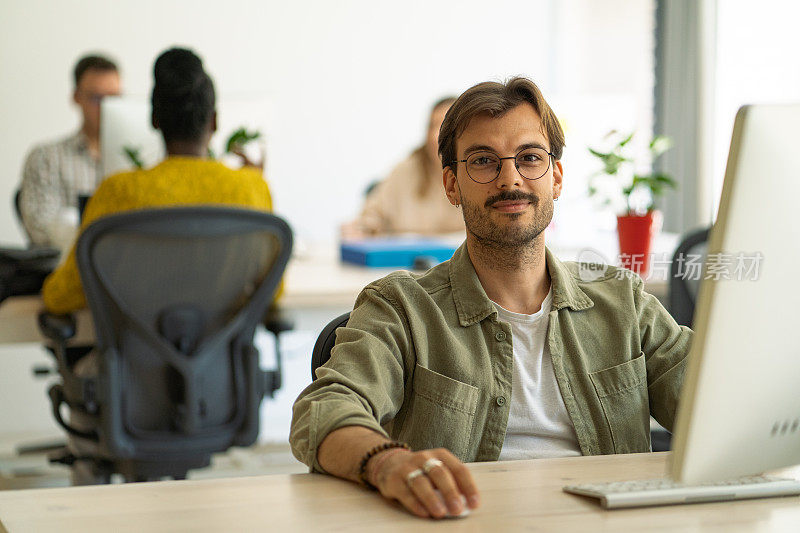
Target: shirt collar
x,y
473,305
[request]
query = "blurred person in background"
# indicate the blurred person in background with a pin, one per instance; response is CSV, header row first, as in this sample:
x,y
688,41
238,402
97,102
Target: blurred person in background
x,y
410,200
56,173
184,111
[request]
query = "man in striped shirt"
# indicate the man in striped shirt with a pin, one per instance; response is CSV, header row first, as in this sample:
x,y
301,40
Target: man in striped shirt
x,y
56,173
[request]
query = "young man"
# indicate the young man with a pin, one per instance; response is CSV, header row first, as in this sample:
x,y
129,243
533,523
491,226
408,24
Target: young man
x,y
502,352
56,173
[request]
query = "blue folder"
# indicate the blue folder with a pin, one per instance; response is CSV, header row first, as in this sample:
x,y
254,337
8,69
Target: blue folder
x,y
396,252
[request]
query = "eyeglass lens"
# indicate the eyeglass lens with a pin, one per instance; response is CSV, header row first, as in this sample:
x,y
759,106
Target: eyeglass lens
x,y
532,164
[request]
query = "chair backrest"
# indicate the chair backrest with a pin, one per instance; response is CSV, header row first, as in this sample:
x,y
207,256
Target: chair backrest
x,y
18,213
686,275
325,342
176,295
18,204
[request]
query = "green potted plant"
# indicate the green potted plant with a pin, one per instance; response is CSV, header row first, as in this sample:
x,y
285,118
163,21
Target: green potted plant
x,y
621,183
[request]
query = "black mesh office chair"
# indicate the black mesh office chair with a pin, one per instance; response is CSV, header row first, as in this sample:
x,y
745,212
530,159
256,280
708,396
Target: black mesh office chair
x,y
685,275
23,270
175,295
18,211
325,342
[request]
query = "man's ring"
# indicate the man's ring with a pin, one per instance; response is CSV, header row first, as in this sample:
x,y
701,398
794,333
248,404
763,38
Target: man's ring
x,y
430,464
413,475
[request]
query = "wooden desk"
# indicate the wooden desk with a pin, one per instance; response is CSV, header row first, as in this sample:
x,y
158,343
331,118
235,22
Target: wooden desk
x,y
518,495
19,322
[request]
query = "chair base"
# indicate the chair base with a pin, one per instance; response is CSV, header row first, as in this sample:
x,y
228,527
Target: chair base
x,y
96,470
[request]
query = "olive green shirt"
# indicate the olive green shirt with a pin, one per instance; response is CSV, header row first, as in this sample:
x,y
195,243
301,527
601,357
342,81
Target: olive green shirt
x,y
424,359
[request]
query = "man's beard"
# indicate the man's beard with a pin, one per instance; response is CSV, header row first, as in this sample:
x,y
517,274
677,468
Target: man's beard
x,y
479,223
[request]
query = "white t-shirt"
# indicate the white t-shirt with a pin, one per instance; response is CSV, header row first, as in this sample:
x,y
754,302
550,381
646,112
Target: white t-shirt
x,y
538,423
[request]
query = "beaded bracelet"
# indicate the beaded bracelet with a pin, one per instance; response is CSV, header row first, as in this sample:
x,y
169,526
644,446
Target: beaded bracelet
x,y
362,469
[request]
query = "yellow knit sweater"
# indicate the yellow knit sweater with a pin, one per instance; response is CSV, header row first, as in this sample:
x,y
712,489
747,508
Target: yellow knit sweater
x,y
175,181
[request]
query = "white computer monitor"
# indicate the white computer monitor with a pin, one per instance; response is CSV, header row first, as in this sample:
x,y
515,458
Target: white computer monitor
x,y
739,412
125,123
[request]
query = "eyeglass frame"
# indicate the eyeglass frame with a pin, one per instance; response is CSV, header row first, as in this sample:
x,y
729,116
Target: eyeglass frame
x,y
93,98
500,167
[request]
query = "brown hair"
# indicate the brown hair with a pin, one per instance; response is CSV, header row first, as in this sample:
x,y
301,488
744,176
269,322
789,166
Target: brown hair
x,y
92,62
496,99
421,153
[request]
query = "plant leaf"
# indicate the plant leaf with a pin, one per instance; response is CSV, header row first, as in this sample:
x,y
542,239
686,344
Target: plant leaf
x,y
666,180
598,154
239,138
659,145
133,155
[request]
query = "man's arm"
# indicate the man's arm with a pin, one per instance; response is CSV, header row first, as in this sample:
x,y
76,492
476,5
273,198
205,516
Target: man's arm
x,y
340,416
665,345
372,220
40,197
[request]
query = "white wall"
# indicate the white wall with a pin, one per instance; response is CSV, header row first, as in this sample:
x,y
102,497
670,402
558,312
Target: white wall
x,y
349,82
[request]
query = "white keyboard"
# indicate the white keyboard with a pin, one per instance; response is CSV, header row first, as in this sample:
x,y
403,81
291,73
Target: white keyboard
x,y
646,492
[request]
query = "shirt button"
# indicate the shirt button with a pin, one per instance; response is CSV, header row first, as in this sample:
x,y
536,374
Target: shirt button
x,y
501,400
500,336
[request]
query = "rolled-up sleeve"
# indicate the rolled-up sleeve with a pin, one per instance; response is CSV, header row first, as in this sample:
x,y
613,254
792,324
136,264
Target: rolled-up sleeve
x,y
364,381
666,346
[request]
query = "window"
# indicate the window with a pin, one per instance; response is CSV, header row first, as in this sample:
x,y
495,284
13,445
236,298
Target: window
x,y
757,55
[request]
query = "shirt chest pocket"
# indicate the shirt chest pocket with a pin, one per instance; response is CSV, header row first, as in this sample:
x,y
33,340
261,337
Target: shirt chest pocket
x,y
441,414
622,391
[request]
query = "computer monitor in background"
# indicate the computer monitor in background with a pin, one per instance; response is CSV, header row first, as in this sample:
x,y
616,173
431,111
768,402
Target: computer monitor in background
x,y
126,131
739,412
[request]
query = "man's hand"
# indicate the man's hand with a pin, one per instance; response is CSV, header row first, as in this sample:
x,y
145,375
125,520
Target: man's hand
x,y
391,472
341,451
246,161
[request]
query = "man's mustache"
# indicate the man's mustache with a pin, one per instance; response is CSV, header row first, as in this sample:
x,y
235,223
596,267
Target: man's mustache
x,y
506,196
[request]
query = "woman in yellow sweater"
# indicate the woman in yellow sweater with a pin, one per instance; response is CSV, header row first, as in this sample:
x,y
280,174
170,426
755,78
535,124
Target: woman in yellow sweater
x,y
184,111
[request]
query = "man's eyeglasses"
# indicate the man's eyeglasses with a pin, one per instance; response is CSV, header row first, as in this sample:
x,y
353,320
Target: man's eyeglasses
x,y
484,167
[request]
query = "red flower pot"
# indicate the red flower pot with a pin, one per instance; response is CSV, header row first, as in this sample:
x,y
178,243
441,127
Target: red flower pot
x,y
635,238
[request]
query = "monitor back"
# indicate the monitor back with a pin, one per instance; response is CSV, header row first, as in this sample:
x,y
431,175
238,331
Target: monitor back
x,y
740,407
125,127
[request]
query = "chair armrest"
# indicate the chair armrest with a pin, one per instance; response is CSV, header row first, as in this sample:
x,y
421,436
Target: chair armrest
x,y
277,321
58,328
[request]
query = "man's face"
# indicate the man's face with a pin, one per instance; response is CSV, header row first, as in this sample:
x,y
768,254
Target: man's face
x,y
93,86
511,210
